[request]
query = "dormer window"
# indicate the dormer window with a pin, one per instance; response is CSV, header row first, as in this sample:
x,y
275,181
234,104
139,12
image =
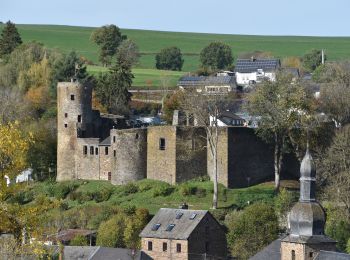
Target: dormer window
x,y
155,227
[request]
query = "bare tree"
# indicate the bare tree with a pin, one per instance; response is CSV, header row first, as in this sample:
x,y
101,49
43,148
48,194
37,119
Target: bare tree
x,y
204,110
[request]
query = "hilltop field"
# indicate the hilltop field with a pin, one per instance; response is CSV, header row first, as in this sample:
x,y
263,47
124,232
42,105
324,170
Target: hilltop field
x,y
66,38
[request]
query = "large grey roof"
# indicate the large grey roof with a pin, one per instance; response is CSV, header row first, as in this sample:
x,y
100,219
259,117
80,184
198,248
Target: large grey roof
x,y
205,80
183,226
106,142
252,65
270,252
328,255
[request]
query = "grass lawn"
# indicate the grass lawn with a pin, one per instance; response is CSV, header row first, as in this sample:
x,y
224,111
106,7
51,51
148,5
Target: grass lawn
x,y
68,38
146,78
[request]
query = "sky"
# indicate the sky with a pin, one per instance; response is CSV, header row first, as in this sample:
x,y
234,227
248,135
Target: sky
x,y
252,17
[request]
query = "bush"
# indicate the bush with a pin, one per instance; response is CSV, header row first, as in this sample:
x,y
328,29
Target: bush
x,y
61,190
186,190
130,188
22,197
79,240
201,193
169,59
163,190
129,209
81,197
144,186
102,195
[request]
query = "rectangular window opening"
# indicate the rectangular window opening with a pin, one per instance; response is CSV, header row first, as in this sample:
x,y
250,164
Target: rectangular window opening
x,y
91,150
109,176
113,139
165,246
150,246
162,144
155,227
115,153
106,150
65,125
72,97
65,115
178,248
96,150
170,227
79,118
85,150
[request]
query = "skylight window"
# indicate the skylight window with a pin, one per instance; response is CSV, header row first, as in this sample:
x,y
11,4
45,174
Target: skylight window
x,y
179,215
155,227
193,216
170,227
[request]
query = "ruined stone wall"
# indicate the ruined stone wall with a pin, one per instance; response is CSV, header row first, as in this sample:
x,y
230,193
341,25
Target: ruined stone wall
x,y
129,155
222,157
87,159
191,153
161,163
73,115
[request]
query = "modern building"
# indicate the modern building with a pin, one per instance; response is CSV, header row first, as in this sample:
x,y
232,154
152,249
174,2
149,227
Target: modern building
x,y
184,234
209,85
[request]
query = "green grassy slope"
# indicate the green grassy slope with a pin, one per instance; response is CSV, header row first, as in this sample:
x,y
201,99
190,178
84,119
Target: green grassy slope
x,y
150,42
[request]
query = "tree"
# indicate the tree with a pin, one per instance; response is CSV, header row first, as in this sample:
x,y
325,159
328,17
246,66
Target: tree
x,y
336,171
65,68
312,60
10,39
169,59
204,110
279,105
111,232
112,88
216,56
335,92
252,230
172,102
108,38
128,53
79,240
292,62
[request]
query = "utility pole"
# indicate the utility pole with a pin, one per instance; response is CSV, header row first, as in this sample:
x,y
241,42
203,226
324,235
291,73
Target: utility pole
x,y
322,53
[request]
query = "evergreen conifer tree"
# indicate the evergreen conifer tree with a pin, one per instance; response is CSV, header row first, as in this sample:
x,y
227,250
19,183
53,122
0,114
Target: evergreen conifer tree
x,y
10,39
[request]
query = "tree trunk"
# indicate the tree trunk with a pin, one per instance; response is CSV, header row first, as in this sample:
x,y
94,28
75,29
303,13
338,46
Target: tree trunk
x,y
276,164
215,180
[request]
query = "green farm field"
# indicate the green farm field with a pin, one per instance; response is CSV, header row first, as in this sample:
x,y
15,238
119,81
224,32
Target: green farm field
x,y
68,38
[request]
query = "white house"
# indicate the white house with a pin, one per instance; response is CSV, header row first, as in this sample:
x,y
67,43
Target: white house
x,y
24,176
227,118
251,71
208,84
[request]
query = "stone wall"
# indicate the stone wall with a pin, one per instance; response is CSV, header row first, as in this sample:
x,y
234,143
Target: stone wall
x,y
161,163
171,253
130,155
87,159
304,251
106,163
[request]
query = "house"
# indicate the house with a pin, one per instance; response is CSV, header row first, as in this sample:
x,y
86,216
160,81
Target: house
x,y
227,118
251,71
208,84
306,239
183,234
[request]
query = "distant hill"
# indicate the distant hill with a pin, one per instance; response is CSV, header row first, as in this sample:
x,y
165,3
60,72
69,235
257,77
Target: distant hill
x,y
67,38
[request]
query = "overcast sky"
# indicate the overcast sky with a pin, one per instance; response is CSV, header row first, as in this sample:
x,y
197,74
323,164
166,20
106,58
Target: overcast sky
x,y
258,17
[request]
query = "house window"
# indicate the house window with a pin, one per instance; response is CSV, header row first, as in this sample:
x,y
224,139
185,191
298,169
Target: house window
x,y
72,97
113,139
85,150
170,227
106,150
311,254
155,227
178,248
150,246
96,150
162,144
137,136
115,153
293,254
91,150
79,118
165,246
65,125
109,176
65,115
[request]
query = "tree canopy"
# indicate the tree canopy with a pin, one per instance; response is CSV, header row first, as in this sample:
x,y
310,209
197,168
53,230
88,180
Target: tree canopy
x,y
312,60
10,39
108,38
169,59
216,56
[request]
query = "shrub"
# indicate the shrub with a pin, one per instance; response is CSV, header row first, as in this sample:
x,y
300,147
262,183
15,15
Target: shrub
x,y
129,209
144,186
163,190
201,193
130,188
61,190
79,240
102,195
22,197
186,190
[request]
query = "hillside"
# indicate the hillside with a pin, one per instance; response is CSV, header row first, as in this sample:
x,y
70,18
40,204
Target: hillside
x,y
68,38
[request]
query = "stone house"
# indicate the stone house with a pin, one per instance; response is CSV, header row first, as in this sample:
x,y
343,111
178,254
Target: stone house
x,y
183,234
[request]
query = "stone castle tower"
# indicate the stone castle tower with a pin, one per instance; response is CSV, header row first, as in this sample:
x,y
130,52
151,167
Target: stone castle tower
x,y
307,220
74,115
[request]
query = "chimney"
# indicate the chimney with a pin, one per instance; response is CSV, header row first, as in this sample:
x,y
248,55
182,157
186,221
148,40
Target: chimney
x,y
183,206
252,59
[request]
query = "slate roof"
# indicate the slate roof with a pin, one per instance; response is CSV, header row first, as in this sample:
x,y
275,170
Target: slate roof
x,y
206,80
230,115
106,142
328,255
252,65
102,253
270,252
183,228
